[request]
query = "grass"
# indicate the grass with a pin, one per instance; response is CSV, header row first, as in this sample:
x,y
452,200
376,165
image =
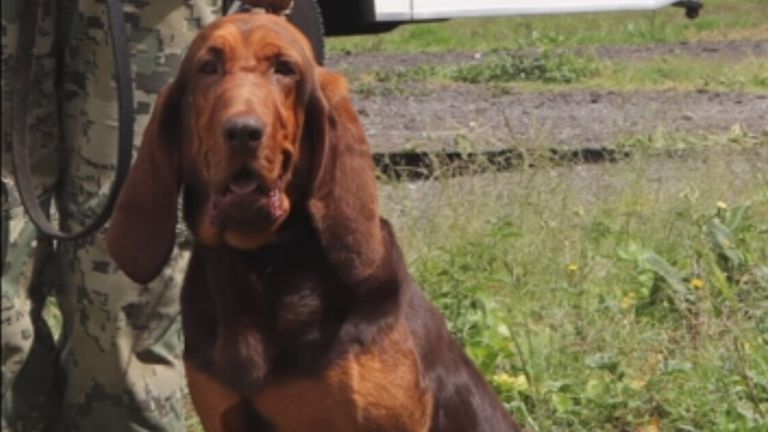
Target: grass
x,y
750,74
558,52
720,20
552,69
624,297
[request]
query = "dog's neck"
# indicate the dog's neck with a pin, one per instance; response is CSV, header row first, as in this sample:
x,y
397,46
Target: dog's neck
x,y
295,237
286,302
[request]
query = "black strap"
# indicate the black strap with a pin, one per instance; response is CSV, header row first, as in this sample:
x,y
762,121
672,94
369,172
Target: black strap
x,y
28,18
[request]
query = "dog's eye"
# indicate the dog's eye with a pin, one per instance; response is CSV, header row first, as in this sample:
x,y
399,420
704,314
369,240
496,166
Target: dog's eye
x,y
209,67
285,68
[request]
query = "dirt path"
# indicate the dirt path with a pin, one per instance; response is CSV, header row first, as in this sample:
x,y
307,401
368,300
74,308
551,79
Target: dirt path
x,y
454,116
458,115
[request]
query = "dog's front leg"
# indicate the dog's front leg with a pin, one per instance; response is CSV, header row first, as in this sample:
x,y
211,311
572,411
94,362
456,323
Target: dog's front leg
x,y
220,408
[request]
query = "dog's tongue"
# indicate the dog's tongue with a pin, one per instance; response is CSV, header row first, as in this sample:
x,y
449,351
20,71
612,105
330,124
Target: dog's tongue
x,y
240,194
243,184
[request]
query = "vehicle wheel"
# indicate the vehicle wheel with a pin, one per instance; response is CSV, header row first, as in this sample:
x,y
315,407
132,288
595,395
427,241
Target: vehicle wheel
x,y
306,16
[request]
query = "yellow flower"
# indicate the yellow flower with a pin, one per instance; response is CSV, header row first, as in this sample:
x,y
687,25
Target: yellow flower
x,y
573,268
502,378
722,205
628,301
518,382
697,283
653,426
637,384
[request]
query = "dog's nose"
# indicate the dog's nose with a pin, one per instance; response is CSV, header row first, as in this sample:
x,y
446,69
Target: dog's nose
x,y
243,133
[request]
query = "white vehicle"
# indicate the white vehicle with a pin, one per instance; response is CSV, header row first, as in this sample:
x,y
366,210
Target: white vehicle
x,y
344,17
416,10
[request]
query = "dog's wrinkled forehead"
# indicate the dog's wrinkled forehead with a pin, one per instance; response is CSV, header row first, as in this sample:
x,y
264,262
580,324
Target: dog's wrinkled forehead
x,y
264,34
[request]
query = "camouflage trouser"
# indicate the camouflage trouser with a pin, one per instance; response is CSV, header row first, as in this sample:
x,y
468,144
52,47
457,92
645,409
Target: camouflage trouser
x,y
116,365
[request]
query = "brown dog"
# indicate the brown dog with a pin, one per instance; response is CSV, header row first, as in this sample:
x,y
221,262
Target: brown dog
x,y
298,311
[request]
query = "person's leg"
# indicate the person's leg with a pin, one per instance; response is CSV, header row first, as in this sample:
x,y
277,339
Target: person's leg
x,y
29,357
122,352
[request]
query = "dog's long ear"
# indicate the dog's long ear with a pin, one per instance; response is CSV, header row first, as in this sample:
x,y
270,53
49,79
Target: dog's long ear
x,y
142,230
343,198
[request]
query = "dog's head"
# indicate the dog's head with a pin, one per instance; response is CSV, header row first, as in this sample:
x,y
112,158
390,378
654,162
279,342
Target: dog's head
x,y
251,129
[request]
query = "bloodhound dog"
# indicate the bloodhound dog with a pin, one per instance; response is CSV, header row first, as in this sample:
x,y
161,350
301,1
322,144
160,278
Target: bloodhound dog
x,y
298,311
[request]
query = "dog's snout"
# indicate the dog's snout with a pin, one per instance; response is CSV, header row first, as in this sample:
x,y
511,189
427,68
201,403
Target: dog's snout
x,y
243,133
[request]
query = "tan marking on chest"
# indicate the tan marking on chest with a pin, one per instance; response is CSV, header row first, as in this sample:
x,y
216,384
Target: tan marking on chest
x,y
378,389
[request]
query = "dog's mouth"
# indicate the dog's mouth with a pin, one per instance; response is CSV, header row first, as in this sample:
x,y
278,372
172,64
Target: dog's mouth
x,y
248,198
245,181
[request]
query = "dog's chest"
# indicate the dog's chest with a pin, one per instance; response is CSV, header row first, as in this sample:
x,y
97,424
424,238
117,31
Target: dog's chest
x,y
301,302
375,389
284,294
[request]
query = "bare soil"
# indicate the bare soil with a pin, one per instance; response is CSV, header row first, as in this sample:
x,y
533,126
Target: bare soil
x,y
457,116
464,115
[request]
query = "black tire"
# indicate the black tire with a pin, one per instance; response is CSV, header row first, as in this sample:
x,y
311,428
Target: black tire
x,y
306,16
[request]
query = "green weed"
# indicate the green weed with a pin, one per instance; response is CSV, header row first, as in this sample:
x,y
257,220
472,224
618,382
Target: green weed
x,y
558,69
544,65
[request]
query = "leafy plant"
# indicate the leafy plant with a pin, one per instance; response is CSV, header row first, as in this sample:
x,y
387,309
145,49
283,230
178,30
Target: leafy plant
x,y
545,65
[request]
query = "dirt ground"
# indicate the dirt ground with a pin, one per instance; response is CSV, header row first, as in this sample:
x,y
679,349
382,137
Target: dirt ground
x,y
453,116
